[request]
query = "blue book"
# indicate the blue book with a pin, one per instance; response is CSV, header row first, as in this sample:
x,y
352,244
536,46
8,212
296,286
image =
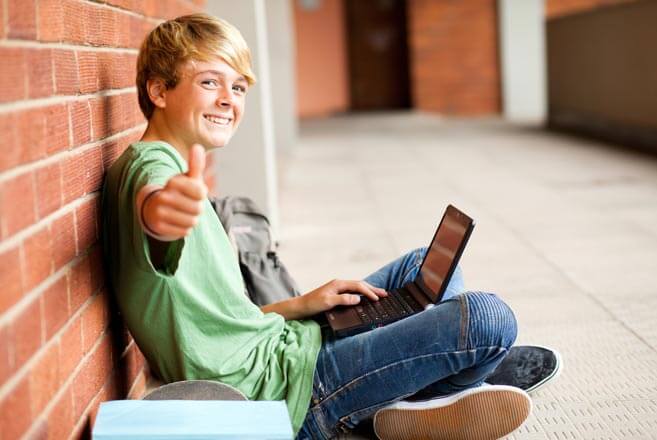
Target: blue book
x,y
192,420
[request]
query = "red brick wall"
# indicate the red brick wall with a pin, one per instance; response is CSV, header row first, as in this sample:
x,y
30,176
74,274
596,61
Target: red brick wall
x,y
557,8
321,59
453,48
68,107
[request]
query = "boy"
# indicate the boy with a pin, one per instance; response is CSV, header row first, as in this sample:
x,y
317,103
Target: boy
x,y
181,294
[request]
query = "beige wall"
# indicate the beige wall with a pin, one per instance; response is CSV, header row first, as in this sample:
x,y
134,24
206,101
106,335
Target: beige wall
x,y
322,74
602,69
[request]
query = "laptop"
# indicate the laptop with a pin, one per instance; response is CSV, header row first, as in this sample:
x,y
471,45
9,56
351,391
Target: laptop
x,y
423,292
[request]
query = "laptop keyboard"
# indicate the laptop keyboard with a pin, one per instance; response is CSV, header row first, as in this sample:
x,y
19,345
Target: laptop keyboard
x,y
395,306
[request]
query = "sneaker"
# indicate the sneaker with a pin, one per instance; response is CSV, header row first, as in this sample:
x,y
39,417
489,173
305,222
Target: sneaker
x,y
527,367
483,413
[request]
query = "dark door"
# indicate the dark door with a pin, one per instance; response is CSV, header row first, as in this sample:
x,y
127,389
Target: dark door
x,y
378,54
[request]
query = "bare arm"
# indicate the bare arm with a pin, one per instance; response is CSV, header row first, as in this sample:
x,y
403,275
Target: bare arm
x,y
331,294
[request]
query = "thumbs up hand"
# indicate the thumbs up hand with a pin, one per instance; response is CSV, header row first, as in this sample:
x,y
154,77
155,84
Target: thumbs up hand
x,y
169,213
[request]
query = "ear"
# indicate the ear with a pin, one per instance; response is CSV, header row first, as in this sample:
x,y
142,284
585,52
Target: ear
x,y
157,92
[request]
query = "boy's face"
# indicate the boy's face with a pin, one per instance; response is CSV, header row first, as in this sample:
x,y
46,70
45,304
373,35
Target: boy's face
x,y
206,105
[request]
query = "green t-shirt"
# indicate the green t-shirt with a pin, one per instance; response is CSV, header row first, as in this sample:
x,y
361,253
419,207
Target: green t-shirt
x,y
191,318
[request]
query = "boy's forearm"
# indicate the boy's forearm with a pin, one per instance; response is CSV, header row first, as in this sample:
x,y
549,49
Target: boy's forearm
x,y
144,194
290,309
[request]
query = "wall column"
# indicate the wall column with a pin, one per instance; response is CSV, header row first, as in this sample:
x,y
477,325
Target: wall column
x,y
247,165
522,59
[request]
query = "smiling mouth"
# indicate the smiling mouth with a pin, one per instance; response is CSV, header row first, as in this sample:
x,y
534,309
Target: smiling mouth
x,y
222,121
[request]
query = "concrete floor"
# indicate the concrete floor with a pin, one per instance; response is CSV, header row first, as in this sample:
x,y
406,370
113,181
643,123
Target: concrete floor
x,y
566,233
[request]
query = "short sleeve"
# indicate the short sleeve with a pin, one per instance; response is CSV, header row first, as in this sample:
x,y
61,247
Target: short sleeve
x,y
152,166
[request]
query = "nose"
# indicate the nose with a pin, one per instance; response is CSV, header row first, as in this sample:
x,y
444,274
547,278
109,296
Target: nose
x,y
225,98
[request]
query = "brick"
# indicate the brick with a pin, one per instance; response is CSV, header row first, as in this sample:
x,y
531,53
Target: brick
x,y
21,19
116,71
9,136
458,73
123,29
110,152
92,375
100,117
139,28
5,361
88,71
70,349
79,284
73,176
103,33
60,418
51,20
125,4
137,387
13,74
15,416
17,204
44,379
40,80
96,265
57,128
32,134
133,363
10,278
55,306
49,189
62,231
25,332
80,114
93,172
75,21
3,34
37,258
95,319
85,225
66,72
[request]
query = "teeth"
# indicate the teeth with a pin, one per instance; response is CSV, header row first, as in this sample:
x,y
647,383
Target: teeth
x,y
217,119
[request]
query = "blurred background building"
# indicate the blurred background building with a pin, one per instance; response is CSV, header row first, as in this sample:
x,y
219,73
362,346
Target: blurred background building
x,y
577,65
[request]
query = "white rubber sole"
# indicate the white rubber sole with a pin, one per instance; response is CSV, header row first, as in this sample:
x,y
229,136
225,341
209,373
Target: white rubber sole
x,y
555,373
483,413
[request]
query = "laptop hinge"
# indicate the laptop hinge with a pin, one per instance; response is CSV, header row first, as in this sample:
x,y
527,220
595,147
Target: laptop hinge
x,y
417,294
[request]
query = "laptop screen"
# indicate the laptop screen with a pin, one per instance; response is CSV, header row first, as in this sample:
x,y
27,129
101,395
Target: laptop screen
x,y
444,252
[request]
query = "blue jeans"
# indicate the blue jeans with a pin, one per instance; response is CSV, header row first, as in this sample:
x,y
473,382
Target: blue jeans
x,y
445,349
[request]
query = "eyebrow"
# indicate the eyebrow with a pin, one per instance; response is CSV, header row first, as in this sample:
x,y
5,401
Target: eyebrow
x,y
219,74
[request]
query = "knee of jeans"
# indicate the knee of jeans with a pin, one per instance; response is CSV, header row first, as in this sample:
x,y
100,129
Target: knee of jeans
x,y
420,252
491,321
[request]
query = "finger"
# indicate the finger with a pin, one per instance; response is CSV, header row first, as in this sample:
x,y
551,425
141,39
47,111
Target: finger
x,y
347,299
379,291
177,218
362,288
192,188
175,200
196,162
164,229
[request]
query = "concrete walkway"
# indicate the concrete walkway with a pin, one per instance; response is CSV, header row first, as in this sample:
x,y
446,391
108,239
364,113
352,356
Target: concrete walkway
x,y
566,233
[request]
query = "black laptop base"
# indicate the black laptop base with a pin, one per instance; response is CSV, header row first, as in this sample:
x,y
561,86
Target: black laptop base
x,y
399,304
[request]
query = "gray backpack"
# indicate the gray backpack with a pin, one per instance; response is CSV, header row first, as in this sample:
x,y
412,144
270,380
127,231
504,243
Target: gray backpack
x,y
265,277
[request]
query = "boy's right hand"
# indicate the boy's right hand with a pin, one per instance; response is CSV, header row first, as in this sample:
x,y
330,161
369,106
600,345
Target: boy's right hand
x,y
170,212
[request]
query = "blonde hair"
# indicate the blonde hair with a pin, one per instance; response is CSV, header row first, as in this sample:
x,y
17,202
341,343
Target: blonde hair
x,y
199,37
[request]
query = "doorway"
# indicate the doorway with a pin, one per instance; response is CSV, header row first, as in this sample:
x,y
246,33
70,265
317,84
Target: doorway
x,y
378,54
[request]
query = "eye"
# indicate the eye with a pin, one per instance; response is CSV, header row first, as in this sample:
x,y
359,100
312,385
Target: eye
x,y
210,83
239,88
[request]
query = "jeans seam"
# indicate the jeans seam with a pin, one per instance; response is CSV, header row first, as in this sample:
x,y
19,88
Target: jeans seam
x,y
369,408
465,321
